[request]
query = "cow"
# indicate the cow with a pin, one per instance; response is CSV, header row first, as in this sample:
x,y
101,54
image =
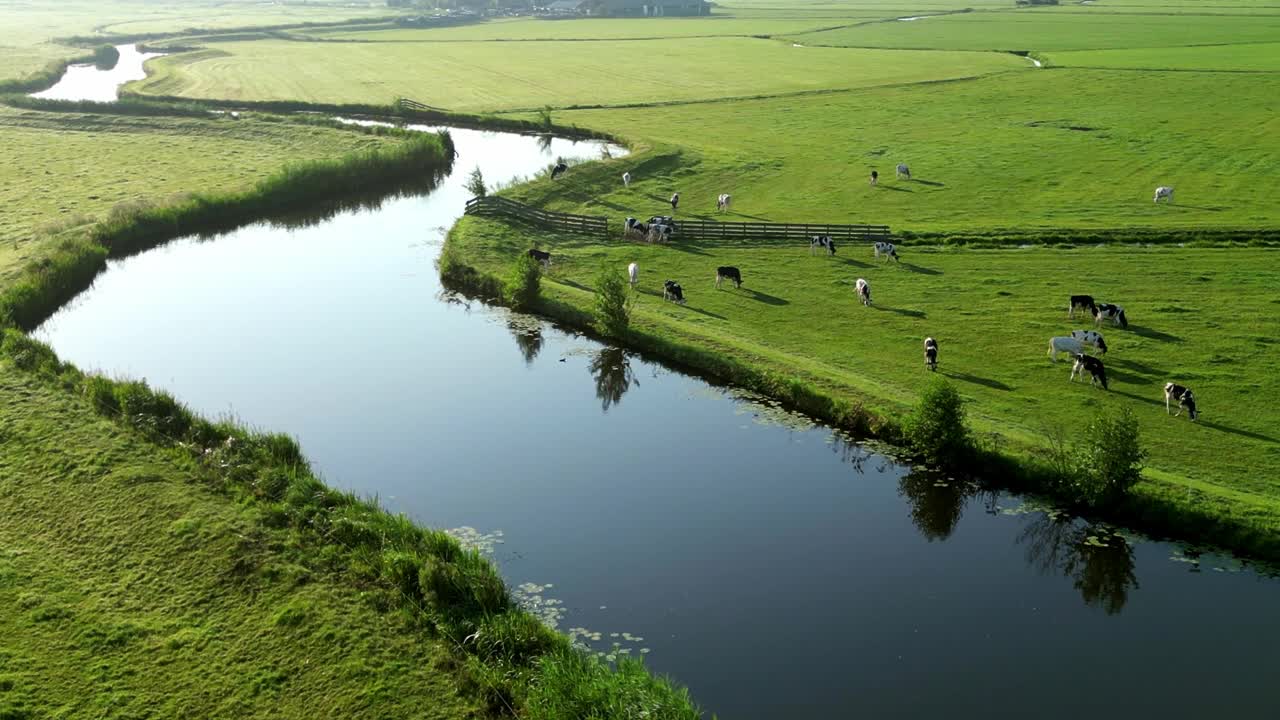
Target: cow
x,y
663,220
875,178
626,179
863,288
675,200
722,202
1107,311
660,233
822,241
633,274
904,171
540,255
1182,394
888,249
1068,345
634,228
558,170
1098,373
672,291
1164,191
931,354
1091,337
727,272
1081,302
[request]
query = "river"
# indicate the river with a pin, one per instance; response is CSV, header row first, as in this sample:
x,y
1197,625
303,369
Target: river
x,y
773,566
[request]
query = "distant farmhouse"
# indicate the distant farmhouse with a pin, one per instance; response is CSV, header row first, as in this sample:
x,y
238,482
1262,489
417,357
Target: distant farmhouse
x,y
630,8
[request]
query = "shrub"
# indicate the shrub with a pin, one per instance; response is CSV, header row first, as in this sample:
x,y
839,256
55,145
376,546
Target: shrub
x,y
523,284
612,308
936,428
1111,460
475,183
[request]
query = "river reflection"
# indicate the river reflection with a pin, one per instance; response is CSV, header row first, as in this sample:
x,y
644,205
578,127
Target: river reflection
x,y
1097,559
611,369
528,337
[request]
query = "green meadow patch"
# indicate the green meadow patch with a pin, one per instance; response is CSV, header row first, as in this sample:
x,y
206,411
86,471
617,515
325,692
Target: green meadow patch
x,y
1245,57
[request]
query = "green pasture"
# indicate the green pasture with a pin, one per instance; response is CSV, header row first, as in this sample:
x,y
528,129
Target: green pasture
x,y
589,29
1036,31
66,170
1207,318
130,590
1015,151
504,76
1245,57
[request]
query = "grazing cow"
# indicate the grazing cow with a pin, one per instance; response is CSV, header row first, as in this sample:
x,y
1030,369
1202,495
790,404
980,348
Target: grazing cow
x,y
1164,191
633,274
822,241
660,233
675,200
663,220
626,179
672,291
1185,398
559,170
904,171
888,249
632,227
722,202
1091,337
726,272
1107,311
863,288
875,178
540,255
1097,373
1068,345
931,354
1082,302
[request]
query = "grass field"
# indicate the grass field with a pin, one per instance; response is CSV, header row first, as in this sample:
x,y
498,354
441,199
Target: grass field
x,y
592,29
128,590
68,169
487,76
1245,57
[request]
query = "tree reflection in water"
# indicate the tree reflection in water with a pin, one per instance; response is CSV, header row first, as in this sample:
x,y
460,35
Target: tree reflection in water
x,y
936,504
528,338
611,369
1098,560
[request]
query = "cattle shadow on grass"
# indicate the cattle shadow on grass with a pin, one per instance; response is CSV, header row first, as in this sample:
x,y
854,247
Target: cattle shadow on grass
x,y
1132,396
895,188
1234,431
902,311
1153,334
985,382
930,183
920,270
765,298
1137,367
855,263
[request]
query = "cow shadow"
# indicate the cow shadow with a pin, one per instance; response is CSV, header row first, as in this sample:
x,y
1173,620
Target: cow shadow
x,y
691,249
1206,208
985,382
901,311
1142,398
765,298
659,296
895,188
1152,334
855,263
1241,433
930,183
757,218
920,270
1136,367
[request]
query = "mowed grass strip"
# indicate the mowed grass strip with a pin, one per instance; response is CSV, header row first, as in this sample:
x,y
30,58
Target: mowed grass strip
x,y
1037,31
506,76
1025,151
65,170
1205,318
130,590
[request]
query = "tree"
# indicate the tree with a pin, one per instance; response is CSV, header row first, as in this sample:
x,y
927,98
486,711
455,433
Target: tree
x,y
936,428
613,303
475,183
1111,459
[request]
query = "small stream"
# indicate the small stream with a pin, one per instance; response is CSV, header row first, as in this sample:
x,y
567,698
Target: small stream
x,y
776,567
89,82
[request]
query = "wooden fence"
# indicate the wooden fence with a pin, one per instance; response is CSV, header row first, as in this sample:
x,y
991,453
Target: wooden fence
x,y
491,205
408,104
685,229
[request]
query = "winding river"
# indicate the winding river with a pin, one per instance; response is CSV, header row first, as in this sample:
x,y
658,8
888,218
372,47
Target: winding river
x,y
773,566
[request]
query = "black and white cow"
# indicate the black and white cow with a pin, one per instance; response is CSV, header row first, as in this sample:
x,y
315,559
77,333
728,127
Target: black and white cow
x,y
675,200
633,228
730,273
1081,302
1107,311
863,289
1097,373
1068,345
904,171
661,233
558,170
824,242
672,291
723,202
626,179
888,250
1166,192
540,255
1184,397
931,354
1091,337
663,220
875,178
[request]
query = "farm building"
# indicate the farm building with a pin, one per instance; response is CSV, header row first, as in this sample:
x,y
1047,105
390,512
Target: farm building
x,y
649,8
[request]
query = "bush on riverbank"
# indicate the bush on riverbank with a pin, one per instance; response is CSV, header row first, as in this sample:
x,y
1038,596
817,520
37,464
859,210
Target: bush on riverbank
x,y
1110,463
612,308
523,283
936,428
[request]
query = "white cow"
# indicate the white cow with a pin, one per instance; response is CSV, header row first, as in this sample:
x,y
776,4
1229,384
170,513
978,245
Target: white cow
x,y
722,202
1164,191
626,179
633,273
1068,345
904,171
863,288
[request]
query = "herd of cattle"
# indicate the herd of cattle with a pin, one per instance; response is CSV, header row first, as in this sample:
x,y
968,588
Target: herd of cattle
x,y
661,228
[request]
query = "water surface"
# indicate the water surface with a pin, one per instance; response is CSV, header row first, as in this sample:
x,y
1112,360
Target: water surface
x,y
89,82
775,568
